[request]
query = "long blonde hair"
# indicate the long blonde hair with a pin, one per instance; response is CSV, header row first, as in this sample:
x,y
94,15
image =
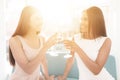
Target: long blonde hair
x,y
23,27
96,23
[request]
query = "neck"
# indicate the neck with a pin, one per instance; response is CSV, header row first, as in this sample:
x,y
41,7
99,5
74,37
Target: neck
x,y
87,36
31,34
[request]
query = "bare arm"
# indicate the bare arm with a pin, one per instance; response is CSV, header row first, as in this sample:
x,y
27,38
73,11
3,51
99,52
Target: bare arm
x,y
44,59
27,65
68,67
97,65
44,65
20,57
45,68
94,66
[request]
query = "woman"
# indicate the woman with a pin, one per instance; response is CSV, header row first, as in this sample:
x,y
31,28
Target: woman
x,y
27,50
92,49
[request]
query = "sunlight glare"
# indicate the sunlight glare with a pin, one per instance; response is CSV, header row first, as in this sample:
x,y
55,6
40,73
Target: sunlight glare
x,y
57,14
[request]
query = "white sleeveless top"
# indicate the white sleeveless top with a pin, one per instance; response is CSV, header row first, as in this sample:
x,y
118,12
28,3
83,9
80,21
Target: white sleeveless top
x,y
91,48
30,53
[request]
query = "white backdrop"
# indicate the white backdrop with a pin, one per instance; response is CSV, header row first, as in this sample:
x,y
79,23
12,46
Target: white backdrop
x,y
112,23
2,42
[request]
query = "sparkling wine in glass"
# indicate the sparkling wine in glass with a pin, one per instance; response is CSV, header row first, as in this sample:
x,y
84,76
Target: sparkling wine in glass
x,y
68,36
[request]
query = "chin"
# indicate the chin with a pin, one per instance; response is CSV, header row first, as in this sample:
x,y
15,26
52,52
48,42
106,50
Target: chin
x,y
38,32
81,31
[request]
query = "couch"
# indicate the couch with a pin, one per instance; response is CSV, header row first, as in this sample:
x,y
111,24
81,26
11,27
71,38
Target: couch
x,y
56,66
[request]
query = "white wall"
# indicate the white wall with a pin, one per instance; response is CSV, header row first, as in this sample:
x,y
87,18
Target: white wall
x,y
118,37
2,41
114,32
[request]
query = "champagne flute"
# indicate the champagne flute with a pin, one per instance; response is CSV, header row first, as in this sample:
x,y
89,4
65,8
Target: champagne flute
x,y
68,36
60,37
60,46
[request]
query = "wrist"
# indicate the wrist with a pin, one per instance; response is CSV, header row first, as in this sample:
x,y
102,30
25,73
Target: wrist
x,y
64,76
47,78
77,48
45,47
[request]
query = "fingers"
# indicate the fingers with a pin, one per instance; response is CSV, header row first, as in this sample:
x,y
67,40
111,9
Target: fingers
x,y
69,45
54,36
67,42
52,40
52,77
59,78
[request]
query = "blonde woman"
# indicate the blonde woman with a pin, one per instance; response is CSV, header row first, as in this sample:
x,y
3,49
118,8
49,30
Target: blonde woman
x,y
91,51
27,50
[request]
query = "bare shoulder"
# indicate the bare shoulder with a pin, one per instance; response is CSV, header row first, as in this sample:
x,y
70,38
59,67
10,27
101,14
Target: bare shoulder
x,y
14,40
108,41
106,44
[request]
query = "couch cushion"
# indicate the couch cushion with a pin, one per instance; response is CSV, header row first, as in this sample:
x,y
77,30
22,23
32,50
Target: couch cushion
x,y
56,66
72,79
111,66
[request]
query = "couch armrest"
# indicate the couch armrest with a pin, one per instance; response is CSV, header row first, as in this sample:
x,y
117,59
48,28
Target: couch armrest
x,y
111,66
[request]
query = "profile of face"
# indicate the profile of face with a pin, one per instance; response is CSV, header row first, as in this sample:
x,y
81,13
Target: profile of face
x,y
36,22
84,23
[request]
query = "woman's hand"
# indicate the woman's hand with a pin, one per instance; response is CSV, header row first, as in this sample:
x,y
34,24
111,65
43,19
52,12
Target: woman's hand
x,y
51,41
71,45
50,77
61,77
